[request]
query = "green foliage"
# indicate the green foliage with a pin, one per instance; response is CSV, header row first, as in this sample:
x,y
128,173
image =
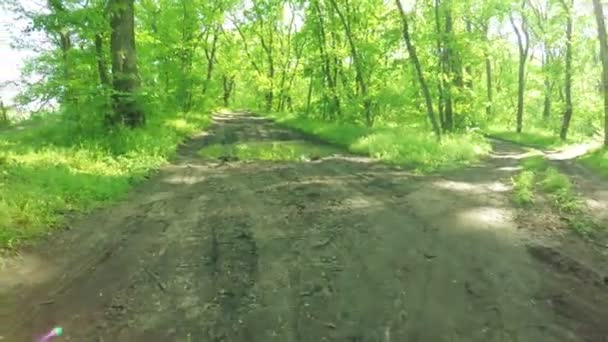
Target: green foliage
x,y
524,184
537,174
535,163
48,170
268,150
537,138
402,145
597,161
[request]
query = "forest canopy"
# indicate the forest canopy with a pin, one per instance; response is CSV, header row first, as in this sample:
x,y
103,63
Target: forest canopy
x,y
445,65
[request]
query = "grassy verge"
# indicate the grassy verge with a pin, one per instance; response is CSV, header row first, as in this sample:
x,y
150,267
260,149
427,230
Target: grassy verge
x,y
597,161
537,139
273,150
538,176
48,169
400,145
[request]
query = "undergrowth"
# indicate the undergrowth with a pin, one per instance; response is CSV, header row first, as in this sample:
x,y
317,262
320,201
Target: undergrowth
x,y
401,145
534,138
272,150
538,176
597,161
49,168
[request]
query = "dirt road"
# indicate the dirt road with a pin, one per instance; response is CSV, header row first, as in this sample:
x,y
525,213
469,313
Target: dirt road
x,y
335,249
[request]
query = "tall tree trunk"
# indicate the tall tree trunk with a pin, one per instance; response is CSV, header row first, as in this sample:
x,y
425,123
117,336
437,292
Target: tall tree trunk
x,y
125,78
548,102
601,30
269,96
416,62
210,56
65,44
489,85
441,64
362,84
3,113
568,77
448,73
489,90
309,95
101,61
523,43
326,65
228,85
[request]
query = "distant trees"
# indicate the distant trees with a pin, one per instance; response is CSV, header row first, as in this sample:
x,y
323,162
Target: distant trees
x,y
601,29
449,65
125,77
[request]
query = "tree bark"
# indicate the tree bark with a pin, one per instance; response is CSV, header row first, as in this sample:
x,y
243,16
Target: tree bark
x,y
210,56
362,84
101,61
441,67
414,58
228,85
327,71
124,64
601,29
523,43
568,77
489,85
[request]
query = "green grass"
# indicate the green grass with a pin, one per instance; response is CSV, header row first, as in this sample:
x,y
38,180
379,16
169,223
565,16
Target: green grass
x,y
49,168
597,161
538,175
271,150
416,147
538,138
523,186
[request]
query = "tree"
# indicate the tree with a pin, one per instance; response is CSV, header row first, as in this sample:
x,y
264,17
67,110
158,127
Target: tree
x,y
568,7
125,78
523,44
601,30
416,63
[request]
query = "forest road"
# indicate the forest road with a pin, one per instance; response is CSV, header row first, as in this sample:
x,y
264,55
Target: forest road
x,y
341,248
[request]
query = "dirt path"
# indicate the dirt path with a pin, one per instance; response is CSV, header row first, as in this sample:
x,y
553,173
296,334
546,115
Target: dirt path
x,y
337,249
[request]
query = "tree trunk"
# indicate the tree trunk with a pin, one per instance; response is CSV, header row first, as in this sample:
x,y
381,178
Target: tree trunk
x,y
548,103
568,77
3,113
441,66
523,43
124,64
228,85
101,61
601,29
414,58
362,84
309,96
489,90
210,55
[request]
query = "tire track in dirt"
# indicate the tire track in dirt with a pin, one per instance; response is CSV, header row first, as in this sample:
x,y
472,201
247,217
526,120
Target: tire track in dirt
x,y
339,249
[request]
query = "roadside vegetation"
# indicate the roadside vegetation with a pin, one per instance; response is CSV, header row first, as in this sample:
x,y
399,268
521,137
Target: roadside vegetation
x,y
48,171
413,85
539,179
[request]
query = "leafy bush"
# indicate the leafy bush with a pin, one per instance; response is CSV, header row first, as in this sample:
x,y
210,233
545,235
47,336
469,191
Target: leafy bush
x,y
49,168
403,145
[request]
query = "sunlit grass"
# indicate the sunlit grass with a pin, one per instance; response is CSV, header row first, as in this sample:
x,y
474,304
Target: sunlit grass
x,y
538,175
269,150
597,161
534,138
401,145
48,169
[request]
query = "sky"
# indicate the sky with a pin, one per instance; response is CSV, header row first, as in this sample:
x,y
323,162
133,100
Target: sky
x,y
11,59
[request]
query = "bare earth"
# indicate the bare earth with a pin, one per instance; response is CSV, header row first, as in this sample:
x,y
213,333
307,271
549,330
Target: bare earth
x,y
336,249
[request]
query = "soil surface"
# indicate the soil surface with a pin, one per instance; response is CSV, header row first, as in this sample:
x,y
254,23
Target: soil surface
x,y
340,248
